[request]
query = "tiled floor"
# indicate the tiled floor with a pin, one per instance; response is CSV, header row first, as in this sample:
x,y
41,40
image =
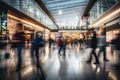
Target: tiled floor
x,y
55,67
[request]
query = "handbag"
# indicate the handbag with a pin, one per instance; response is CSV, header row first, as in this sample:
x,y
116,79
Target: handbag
x,y
7,55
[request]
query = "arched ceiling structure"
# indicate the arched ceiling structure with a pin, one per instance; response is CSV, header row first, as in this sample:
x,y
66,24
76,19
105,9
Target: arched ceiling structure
x,y
66,13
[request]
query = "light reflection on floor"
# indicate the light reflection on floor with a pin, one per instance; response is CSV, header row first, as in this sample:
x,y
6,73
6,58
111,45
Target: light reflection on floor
x,y
55,67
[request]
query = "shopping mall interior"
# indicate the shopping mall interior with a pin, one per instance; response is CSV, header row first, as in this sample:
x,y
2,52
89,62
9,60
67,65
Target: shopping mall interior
x,y
59,39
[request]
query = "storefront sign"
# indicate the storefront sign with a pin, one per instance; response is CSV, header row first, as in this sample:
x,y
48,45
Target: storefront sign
x,y
58,35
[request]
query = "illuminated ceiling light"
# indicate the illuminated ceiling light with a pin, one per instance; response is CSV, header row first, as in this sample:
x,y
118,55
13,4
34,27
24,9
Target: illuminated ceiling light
x,y
37,13
76,17
30,9
60,12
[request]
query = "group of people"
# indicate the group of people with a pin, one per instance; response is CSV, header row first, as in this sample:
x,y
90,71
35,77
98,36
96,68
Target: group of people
x,y
37,42
101,43
97,42
94,42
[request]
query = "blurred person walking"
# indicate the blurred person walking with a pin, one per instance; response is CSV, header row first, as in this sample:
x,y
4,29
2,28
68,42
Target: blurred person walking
x,y
37,44
93,45
62,42
18,43
76,42
50,40
102,46
64,46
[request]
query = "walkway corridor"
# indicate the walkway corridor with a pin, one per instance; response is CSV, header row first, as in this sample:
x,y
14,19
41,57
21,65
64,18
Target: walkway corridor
x,y
55,67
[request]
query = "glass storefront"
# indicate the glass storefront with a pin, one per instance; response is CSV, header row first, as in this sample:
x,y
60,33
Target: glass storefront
x,y
32,9
111,34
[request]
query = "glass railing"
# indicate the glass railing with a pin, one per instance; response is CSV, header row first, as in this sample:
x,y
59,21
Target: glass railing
x,y
100,7
32,9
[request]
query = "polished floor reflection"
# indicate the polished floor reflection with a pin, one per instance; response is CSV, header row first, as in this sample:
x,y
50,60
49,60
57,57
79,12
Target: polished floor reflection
x,y
55,67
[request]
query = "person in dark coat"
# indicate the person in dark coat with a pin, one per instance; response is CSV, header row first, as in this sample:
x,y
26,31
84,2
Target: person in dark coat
x,y
62,46
37,43
93,45
18,43
50,42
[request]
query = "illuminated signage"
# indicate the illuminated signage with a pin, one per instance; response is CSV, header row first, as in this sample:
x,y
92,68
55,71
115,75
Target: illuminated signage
x,y
4,21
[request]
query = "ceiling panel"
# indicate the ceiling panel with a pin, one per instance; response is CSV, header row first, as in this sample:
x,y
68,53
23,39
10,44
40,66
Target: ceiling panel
x,y
66,12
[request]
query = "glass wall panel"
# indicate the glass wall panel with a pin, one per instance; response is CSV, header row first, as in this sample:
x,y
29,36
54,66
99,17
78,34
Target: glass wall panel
x,y
100,7
32,9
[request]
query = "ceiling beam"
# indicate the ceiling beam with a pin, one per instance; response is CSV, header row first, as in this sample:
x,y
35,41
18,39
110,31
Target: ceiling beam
x,y
65,7
66,12
88,7
53,2
66,15
57,4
